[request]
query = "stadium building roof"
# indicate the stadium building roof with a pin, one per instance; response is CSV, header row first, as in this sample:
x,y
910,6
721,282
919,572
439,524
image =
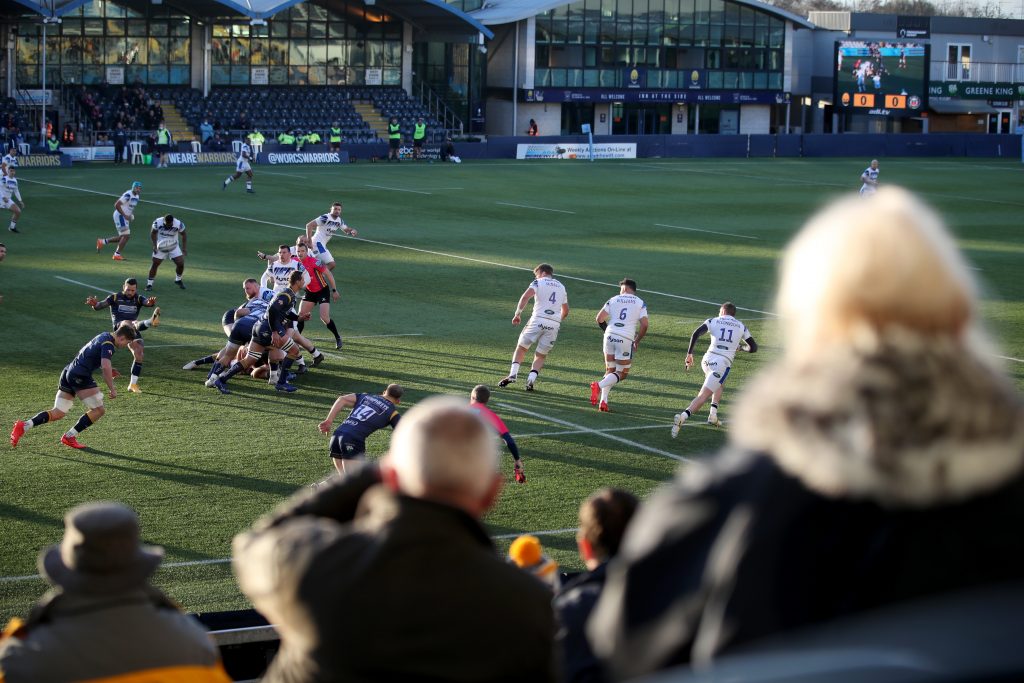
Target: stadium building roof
x,y
432,17
495,12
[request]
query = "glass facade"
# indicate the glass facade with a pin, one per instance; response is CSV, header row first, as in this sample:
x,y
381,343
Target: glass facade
x,y
660,43
310,45
153,45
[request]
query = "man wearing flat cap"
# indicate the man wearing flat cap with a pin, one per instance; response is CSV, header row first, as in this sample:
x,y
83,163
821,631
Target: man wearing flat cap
x,y
103,621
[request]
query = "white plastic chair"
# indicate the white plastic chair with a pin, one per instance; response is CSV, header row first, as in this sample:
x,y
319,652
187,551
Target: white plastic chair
x,y
24,148
257,149
236,147
135,149
196,147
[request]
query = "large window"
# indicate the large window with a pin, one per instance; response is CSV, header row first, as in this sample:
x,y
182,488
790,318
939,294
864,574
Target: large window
x,y
153,45
595,43
310,45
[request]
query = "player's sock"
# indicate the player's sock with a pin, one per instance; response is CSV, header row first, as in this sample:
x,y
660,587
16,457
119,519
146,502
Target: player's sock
x,y
149,282
301,326
248,184
532,377
514,370
143,324
80,426
302,360
714,411
205,360
40,419
229,180
334,329
606,385
272,375
215,370
283,378
236,367
13,226
177,278
136,371
687,413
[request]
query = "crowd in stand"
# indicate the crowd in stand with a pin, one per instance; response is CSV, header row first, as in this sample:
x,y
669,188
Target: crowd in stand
x,y
131,106
881,460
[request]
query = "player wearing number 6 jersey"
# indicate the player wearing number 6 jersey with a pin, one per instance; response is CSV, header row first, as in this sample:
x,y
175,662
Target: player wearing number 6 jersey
x,y
550,308
369,413
624,321
727,335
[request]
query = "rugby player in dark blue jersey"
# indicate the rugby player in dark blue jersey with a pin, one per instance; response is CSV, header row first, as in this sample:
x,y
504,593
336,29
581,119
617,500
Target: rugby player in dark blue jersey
x,y
271,331
76,381
369,413
125,307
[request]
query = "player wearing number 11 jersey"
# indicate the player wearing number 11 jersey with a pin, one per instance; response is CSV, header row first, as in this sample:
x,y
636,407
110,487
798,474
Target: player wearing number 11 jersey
x,y
727,335
550,308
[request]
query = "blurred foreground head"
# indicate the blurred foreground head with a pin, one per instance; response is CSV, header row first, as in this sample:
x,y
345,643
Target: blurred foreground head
x,y
443,451
862,268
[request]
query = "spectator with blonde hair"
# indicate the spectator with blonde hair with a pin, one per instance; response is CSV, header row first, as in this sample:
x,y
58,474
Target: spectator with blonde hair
x,y
400,582
879,461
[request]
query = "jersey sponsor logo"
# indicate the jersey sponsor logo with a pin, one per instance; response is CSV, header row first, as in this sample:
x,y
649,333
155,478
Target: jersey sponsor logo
x,y
549,311
308,158
619,324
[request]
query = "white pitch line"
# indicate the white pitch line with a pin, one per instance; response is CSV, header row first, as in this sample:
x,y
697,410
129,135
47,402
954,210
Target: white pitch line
x,y
711,232
567,432
76,282
397,189
537,208
595,432
226,560
1015,360
287,175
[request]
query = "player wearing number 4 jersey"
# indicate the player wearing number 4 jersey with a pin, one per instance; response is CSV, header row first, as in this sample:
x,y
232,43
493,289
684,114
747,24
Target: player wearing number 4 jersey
x,y
369,413
727,335
550,308
624,321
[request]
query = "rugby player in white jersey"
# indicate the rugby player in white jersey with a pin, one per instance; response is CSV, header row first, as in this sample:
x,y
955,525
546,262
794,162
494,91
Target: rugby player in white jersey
x,y
624,321
169,242
124,214
242,165
10,197
727,335
321,229
278,277
10,160
550,308
869,179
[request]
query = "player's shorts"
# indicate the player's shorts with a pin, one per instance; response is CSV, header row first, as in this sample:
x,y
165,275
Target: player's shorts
x,y
716,371
172,254
542,332
242,331
619,347
163,149
121,224
868,190
6,202
262,334
71,383
321,296
417,143
242,166
345,447
394,143
322,252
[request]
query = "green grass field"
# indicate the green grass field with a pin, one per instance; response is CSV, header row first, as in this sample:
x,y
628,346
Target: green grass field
x,y
428,291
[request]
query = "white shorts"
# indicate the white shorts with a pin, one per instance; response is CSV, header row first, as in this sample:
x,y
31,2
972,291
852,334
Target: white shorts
x,y
121,224
716,370
322,253
867,190
619,347
242,166
6,202
542,332
173,254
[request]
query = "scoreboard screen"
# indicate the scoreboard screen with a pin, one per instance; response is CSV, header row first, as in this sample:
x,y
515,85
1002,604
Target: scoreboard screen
x,y
881,77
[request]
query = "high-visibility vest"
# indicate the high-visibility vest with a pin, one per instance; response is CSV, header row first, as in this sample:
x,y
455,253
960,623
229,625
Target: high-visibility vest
x,y
163,136
420,132
53,143
394,131
335,134
286,139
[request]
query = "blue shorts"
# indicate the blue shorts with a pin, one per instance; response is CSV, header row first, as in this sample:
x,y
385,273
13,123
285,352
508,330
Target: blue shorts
x,y
71,384
344,447
242,332
261,333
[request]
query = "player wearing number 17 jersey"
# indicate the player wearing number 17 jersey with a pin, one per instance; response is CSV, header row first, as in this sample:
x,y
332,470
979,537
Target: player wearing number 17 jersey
x,y
727,335
624,321
550,308
369,413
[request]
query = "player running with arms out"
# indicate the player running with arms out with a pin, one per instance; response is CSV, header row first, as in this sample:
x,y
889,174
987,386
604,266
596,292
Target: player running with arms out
x,y
727,335
478,399
369,413
125,306
76,381
169,242
550,308
321,229
124,214
270,331
320,291
10,197
624,321
242,165
869,179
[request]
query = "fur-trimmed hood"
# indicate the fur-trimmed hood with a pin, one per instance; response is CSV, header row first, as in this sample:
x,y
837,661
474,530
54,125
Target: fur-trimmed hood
x,y
904,421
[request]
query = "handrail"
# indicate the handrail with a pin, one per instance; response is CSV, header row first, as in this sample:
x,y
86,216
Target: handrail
x,y
438,107
977,72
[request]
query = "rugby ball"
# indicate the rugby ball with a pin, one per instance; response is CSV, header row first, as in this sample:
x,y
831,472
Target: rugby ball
x,y
167,244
